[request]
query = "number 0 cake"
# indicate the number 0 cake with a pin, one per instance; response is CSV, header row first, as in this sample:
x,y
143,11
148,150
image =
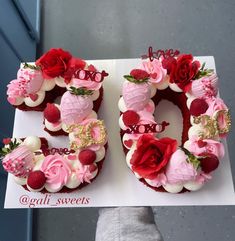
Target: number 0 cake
x,y
165,164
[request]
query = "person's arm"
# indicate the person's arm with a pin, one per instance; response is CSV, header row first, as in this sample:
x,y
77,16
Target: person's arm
x,y
127,224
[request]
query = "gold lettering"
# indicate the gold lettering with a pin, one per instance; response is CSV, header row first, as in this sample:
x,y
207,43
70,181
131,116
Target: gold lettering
x,y
84,134
211,127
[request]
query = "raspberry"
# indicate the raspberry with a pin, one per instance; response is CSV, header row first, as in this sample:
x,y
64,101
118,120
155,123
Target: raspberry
x,y
87,157
198,107
36,180
209,163
52,113
139,74
130,117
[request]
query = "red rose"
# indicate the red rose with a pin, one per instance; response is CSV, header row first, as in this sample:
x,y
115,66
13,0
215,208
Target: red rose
x,y
152,155
77,63
169,64
6,141
181,70
54,63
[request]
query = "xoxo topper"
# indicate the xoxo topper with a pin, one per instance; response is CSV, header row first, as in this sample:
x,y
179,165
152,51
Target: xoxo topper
x,y
83,74
147,128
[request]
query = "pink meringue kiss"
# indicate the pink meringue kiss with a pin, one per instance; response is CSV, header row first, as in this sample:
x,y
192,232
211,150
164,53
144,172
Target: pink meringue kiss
x,y
178,170
136,96
57,172
205,87
19,162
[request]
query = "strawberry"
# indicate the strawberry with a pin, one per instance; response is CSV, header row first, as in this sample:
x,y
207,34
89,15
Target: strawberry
x,y
139,74
52,113
75,106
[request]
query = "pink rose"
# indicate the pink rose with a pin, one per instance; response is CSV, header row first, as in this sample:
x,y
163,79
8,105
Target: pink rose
x,y
155,70
56,170
179,170
198,147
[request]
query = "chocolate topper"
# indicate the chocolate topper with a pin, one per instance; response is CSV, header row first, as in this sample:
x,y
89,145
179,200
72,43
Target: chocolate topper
x,y
83,74
147,128
160,53
53,151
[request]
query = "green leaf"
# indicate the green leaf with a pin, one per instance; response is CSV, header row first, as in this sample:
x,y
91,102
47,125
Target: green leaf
x,y
80,91
30,66
191,158
133,80
204,72
5,150
203,66
11,144
15,141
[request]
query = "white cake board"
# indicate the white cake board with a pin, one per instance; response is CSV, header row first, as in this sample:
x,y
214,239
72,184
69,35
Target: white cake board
x,y
116,185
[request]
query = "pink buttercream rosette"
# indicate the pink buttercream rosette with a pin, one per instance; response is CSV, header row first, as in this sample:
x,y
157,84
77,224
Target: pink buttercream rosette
x,y
155,70
57,172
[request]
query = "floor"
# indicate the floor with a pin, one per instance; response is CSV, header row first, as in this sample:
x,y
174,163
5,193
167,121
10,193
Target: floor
x,y
124,29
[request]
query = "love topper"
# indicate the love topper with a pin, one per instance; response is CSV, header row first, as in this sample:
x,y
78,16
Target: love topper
x,y
53,151
147,128
157,54
83,74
